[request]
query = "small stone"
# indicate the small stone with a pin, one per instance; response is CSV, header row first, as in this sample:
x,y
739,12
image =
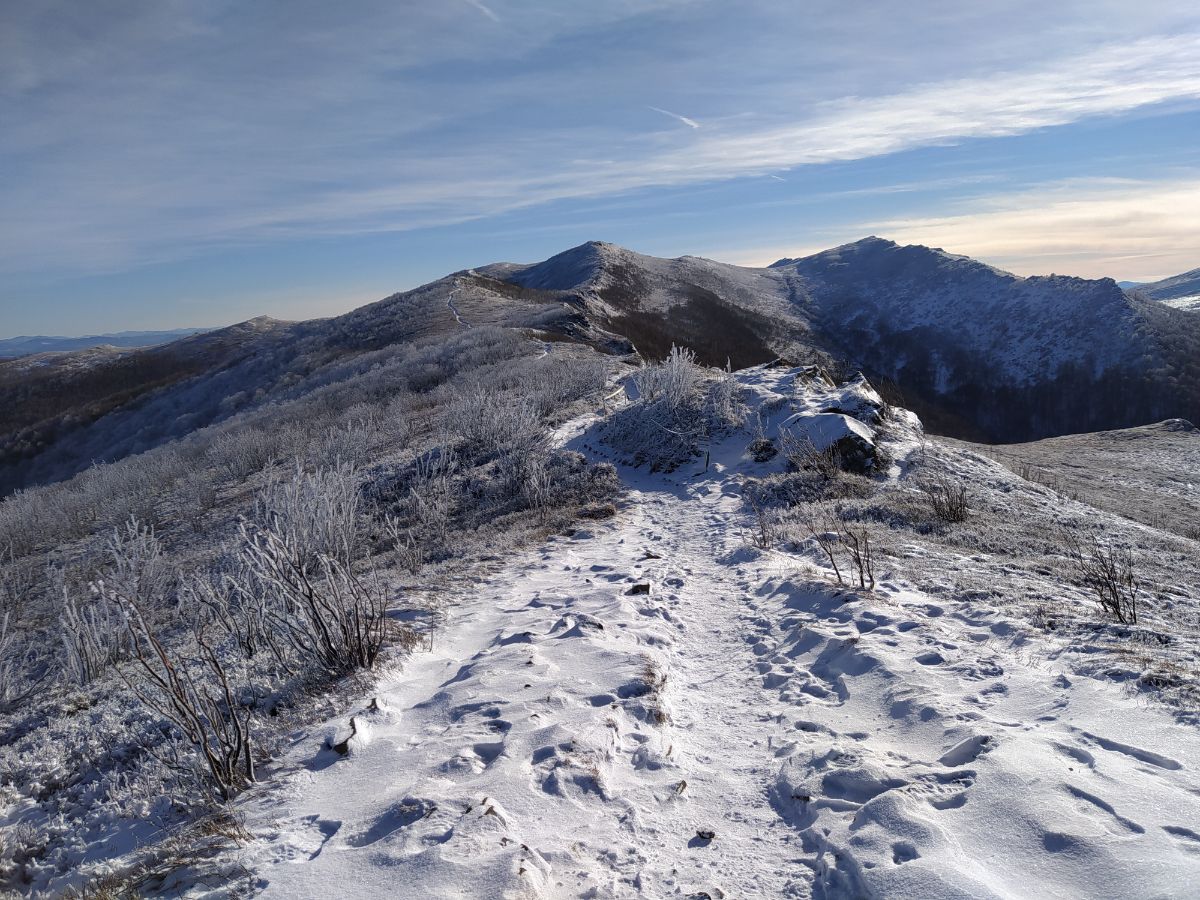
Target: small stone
x,y
639,589
705,834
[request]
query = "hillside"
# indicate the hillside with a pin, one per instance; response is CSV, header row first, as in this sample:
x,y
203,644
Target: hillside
x,y
64,412
978,353
743,728
1179,291
492,613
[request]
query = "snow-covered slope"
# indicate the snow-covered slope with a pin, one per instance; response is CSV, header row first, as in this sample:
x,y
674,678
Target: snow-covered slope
x,y
651,706
952,311
1179,291
1177,287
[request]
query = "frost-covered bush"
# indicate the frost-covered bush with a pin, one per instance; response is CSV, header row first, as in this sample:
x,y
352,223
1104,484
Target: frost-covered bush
x,y
680,408
93,635
316,512
490,424
136,566
321,609
81,751
242,452
11,670
353,444
93,629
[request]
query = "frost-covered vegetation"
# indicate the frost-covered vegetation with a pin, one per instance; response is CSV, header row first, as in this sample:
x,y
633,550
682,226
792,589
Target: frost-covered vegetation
x,y
166,618
811,660
1116,597
679,408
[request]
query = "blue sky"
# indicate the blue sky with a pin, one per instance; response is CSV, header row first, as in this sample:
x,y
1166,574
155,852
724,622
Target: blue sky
x,y
168,163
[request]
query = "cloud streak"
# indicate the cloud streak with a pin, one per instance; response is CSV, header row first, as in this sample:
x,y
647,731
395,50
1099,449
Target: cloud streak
x,y
486,10
690,123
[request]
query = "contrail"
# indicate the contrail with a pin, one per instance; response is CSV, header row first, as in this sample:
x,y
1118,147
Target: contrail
x,y
483,9
690,123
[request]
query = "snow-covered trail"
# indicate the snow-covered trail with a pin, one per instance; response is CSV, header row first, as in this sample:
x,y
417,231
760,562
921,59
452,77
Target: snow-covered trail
x,y
606,730
454,309
743,729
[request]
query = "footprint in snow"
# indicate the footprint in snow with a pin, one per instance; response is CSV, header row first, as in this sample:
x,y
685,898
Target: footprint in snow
x,y
967,750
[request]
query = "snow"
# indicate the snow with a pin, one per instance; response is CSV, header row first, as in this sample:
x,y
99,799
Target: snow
x,y
1189,303
738,727
823,430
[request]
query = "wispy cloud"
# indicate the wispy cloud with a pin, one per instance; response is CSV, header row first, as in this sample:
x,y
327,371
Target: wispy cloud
x,y
690,123
1111,80
349,130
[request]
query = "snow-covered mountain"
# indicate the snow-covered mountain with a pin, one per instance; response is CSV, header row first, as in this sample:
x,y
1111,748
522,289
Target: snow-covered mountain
x,y
458,599
977,352
1179,291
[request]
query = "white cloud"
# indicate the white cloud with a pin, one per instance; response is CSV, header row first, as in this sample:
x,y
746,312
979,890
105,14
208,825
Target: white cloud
x,y
1134,230
1111,80
146,139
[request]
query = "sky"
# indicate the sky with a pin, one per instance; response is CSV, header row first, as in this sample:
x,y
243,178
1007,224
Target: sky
x,y
172,163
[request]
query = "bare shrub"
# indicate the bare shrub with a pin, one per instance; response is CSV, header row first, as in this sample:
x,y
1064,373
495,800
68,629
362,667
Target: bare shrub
x,y
803,456
857,540
1109,573
766,530
838,538
946,499
322,609
234,603
196,696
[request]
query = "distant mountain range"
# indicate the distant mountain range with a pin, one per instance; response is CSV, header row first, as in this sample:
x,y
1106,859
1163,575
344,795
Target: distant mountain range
x,y
27,344
979,353
1179,291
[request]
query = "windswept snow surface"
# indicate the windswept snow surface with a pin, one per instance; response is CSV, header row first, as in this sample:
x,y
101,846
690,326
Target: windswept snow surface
x,y
649,707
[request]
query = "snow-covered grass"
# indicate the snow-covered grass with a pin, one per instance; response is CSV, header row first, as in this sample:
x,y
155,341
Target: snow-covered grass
x,y
750,676
152,671
652,705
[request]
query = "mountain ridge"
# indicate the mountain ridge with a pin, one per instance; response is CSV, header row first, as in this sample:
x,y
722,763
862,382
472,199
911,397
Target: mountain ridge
x,y
979,353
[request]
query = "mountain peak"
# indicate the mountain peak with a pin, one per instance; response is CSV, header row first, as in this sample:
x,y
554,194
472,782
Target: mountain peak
x,y
568,269
869,242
